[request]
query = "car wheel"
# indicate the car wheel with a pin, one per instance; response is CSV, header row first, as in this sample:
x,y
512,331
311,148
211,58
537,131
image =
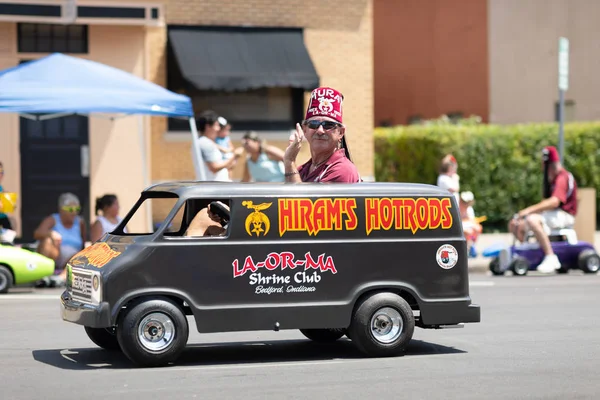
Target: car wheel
x,y
519,266
6,279
323,335
153,333
495,267
103,337
382,325
589,261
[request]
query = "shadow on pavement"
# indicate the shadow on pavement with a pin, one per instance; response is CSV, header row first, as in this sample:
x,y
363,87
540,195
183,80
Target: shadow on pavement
x,y
229,354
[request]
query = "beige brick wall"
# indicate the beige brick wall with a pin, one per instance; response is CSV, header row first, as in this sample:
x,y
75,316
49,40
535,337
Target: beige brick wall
x,y
338,35
523,42
319,14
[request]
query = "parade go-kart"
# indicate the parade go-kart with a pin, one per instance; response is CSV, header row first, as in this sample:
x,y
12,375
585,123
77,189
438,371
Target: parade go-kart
x,y
20,266
524,257
371,262
527,256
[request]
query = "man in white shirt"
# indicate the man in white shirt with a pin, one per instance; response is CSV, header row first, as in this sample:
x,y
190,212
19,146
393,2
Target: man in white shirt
x,y
215,168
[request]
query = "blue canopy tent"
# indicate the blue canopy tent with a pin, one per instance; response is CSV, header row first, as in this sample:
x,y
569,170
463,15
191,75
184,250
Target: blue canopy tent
x,y
60,85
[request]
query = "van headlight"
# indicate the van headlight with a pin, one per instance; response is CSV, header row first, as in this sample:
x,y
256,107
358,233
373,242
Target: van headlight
x,y
96,288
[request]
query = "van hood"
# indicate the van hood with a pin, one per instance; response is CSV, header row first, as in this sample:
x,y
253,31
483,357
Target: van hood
x,y
100,253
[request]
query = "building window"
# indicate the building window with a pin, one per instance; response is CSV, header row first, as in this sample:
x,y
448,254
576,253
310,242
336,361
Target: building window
x,y
50,38
265,109
262,106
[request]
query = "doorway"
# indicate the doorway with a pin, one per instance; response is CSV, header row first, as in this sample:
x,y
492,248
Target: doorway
x,y
54,160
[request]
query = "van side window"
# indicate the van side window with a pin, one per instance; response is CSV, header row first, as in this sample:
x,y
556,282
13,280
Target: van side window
x,y
204,218
138,223
177,223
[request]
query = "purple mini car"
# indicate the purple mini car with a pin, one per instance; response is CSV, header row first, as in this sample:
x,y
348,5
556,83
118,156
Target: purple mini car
x,y
524,257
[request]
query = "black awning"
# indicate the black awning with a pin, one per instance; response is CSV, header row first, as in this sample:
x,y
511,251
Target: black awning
x,y
232,58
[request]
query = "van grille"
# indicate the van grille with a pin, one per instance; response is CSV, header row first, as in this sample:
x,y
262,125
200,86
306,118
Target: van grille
x,y
81,285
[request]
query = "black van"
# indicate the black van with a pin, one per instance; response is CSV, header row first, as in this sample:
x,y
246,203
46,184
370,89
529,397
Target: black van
x,y
370,261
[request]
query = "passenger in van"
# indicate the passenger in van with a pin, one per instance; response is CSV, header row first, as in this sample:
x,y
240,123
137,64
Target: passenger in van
x,y
210,221
325,133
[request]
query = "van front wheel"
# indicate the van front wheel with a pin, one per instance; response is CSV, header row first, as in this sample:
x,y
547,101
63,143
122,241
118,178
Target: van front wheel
x,y
323,335
103,337
382,325
153,333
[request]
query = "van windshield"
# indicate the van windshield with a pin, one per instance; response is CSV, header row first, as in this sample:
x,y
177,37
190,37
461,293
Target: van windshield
x,y
149,213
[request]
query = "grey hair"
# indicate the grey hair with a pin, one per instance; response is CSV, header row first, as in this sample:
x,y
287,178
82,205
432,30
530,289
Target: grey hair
x,y
67,198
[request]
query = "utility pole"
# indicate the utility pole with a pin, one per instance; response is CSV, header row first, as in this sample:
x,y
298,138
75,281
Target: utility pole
x,y
563,86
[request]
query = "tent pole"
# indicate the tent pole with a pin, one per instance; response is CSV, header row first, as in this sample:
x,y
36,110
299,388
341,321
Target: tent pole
x,y
197,159
145,170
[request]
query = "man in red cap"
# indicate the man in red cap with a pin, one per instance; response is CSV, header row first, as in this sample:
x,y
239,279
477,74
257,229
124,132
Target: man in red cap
x,y
324,131
555,212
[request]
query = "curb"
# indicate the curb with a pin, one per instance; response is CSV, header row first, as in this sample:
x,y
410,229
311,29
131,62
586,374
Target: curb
x,y
479,265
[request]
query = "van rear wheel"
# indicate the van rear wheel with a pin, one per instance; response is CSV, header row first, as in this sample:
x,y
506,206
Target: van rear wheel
x,y
153,333
323,335
382,325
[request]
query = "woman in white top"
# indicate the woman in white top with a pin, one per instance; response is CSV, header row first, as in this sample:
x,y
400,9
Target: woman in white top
x,y
108,221
448,178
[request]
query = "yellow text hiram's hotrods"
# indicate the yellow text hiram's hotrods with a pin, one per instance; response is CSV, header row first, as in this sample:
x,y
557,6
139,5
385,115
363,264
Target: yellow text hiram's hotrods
x,y
314,216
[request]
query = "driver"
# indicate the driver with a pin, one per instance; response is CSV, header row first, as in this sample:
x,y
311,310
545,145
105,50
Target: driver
x,y
208,222
556,212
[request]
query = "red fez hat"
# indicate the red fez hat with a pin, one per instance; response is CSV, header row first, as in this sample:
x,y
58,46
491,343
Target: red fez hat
x,y
325,102
552,154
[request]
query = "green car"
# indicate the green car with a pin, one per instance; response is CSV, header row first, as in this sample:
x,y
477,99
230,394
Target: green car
x,y
19,266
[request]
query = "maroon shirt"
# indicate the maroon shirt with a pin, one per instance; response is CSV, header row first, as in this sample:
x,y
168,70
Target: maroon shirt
x,y
336,169
564,188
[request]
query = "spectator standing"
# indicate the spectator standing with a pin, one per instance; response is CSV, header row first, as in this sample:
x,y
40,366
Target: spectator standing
x,y
448,176
215,168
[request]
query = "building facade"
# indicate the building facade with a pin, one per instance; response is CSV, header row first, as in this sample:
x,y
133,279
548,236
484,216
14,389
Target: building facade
x,y
86,156
497,59
97,155
337,36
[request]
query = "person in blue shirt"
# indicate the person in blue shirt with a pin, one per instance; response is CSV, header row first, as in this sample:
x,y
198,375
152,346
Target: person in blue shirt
x,y
223,139
61,235
264,163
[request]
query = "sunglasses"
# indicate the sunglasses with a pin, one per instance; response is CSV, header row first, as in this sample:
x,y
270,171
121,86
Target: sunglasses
x,y
327,125
71,208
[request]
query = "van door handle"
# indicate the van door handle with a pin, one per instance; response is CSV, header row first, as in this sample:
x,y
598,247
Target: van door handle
x,y
85,160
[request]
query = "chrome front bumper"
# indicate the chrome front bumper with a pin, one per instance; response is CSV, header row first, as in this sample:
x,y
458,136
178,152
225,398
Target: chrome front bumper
x,y
94,316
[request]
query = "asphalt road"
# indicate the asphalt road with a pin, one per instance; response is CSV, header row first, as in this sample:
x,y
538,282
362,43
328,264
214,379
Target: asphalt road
x,y
539,339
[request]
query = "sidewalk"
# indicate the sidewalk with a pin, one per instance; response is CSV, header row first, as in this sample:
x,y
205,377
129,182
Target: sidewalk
x,y
480,264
